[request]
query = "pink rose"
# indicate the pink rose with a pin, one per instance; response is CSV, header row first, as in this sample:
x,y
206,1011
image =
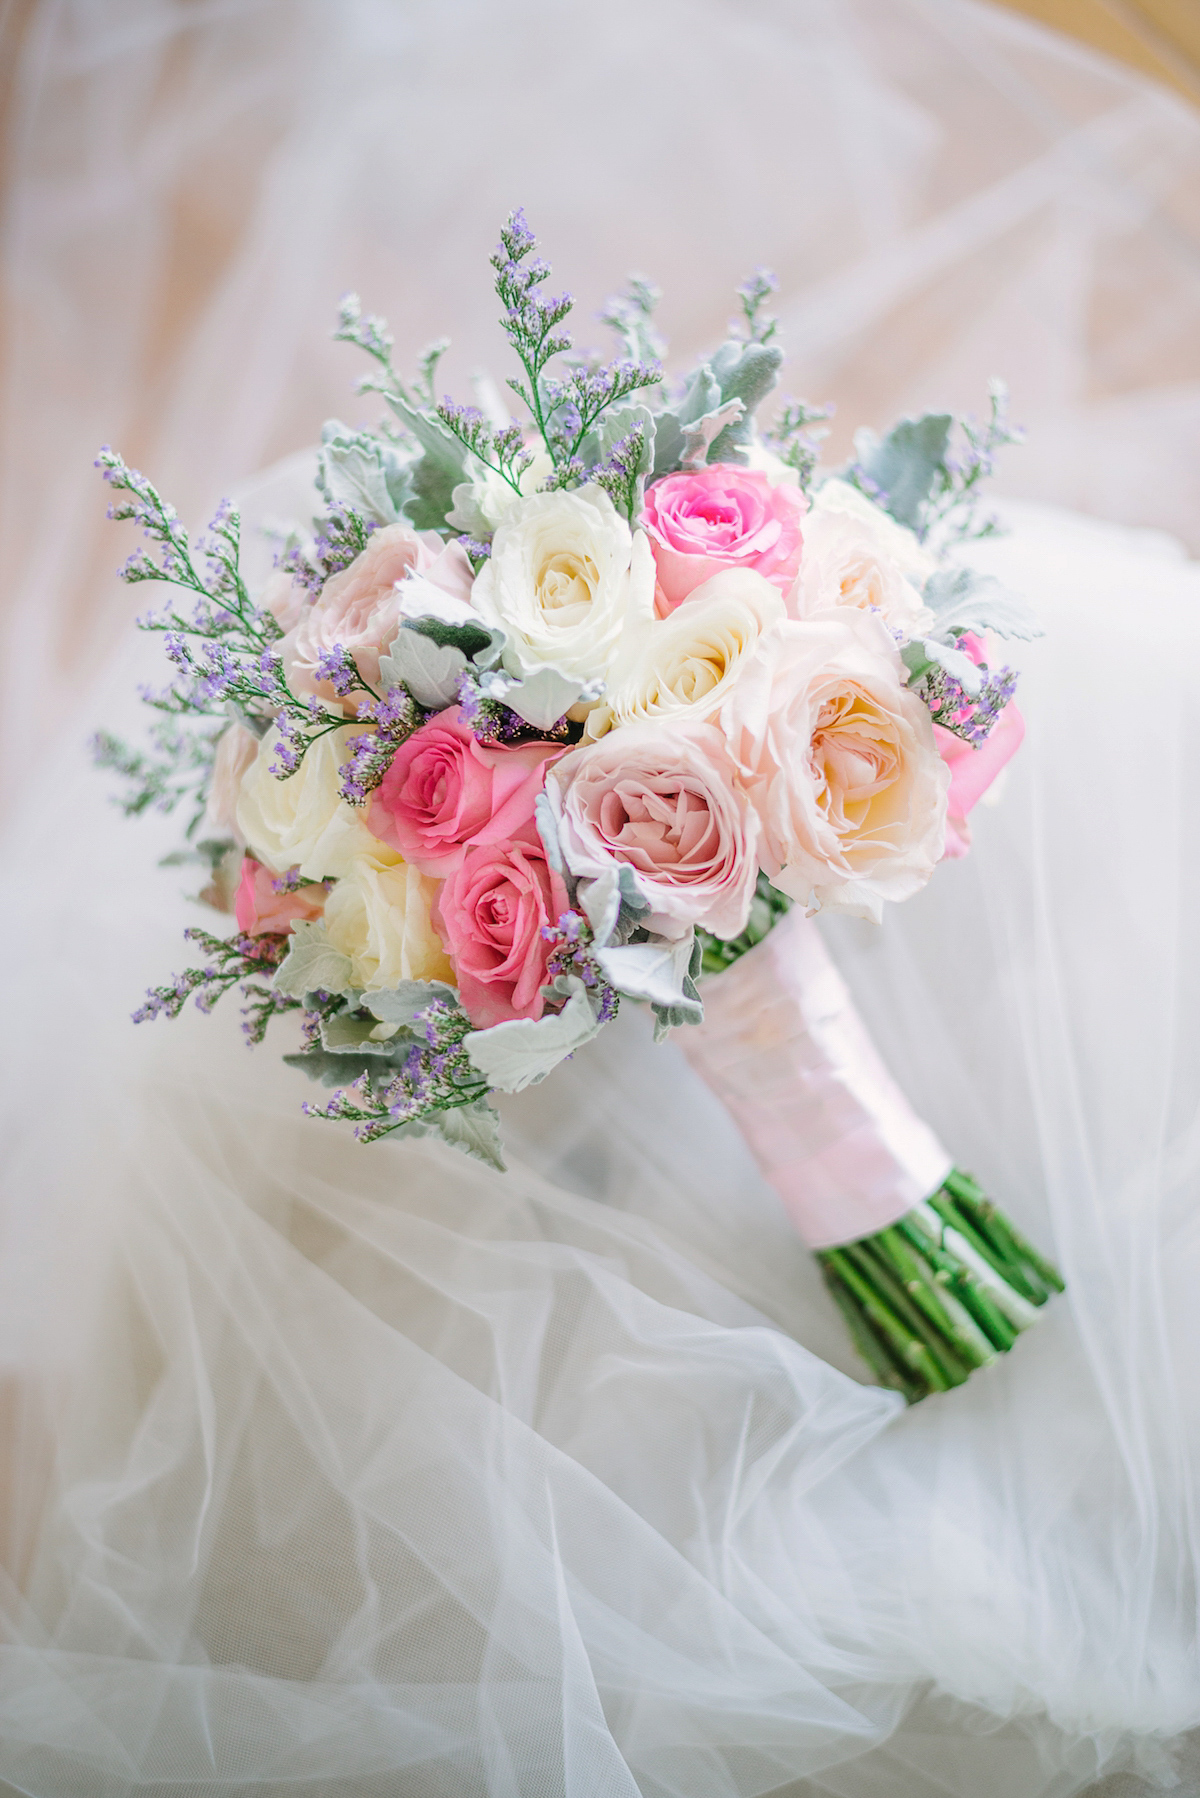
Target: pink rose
x,y
490,914
721,517
972,771
360,607
665,800
445,790
261,911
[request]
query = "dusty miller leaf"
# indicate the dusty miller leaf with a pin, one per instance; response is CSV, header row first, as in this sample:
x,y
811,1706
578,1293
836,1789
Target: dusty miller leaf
x,y
440,469
906,463
746,372
428,669
362,472
312,964
966,601
522,1051
400,1004
474,1128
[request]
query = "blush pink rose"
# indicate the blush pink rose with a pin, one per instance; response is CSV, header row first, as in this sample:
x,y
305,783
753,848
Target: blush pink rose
x,y
261,911
490,914
665,800
972,771
360,607
706,519
445,790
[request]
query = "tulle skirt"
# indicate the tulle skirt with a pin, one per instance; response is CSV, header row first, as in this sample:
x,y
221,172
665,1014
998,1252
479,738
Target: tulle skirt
x,y
331,1470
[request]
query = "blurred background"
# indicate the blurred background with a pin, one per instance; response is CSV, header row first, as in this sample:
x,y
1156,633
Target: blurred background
x,y
947,190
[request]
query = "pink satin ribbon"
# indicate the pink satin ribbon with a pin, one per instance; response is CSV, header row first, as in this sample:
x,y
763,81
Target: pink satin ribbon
x,y
785,1050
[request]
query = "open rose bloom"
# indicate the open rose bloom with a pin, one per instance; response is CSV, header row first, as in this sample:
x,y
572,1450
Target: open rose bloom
x,y
542,718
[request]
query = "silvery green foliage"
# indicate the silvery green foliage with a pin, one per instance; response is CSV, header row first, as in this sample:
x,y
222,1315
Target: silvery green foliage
x,y
613,427
345,1034
904,466
429,670
701,399
699,438
435,646
400,1004
612,904
473,1128
362,472
745,372
966,601
661,972
522,1051
435,474
542,697
312,964
713,418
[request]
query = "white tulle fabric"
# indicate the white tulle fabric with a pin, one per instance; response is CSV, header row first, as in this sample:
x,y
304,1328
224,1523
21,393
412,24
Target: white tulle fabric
x,y
343,1473
784,1049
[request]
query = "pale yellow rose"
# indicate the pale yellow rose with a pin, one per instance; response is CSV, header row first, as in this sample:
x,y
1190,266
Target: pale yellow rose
x,y
302,821
379,915
683,666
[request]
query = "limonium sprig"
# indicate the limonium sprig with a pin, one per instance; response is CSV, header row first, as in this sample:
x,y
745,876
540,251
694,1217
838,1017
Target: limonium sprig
x,y
224,650
619,476
503,450
955,500
630,315
564,408
231,960
341,539
178,770
755,324
796,435
971,717
572,953
437,1075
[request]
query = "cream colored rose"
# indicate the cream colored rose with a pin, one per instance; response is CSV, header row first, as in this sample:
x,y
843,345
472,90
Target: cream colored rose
x,y
379,915
840,763
565,578
684,665
302,821
236,750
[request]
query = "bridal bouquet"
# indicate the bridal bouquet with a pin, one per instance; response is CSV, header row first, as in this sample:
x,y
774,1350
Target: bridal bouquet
x,y
541,716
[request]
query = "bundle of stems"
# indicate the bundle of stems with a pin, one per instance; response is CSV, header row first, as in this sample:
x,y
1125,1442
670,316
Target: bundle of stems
x,y
947,1284
941,1292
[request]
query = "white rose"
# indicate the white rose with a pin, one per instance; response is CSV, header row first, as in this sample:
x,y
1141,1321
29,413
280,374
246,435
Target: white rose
x,y
840,762
302,821
481,504
379,915
684,665
565,578
855,555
